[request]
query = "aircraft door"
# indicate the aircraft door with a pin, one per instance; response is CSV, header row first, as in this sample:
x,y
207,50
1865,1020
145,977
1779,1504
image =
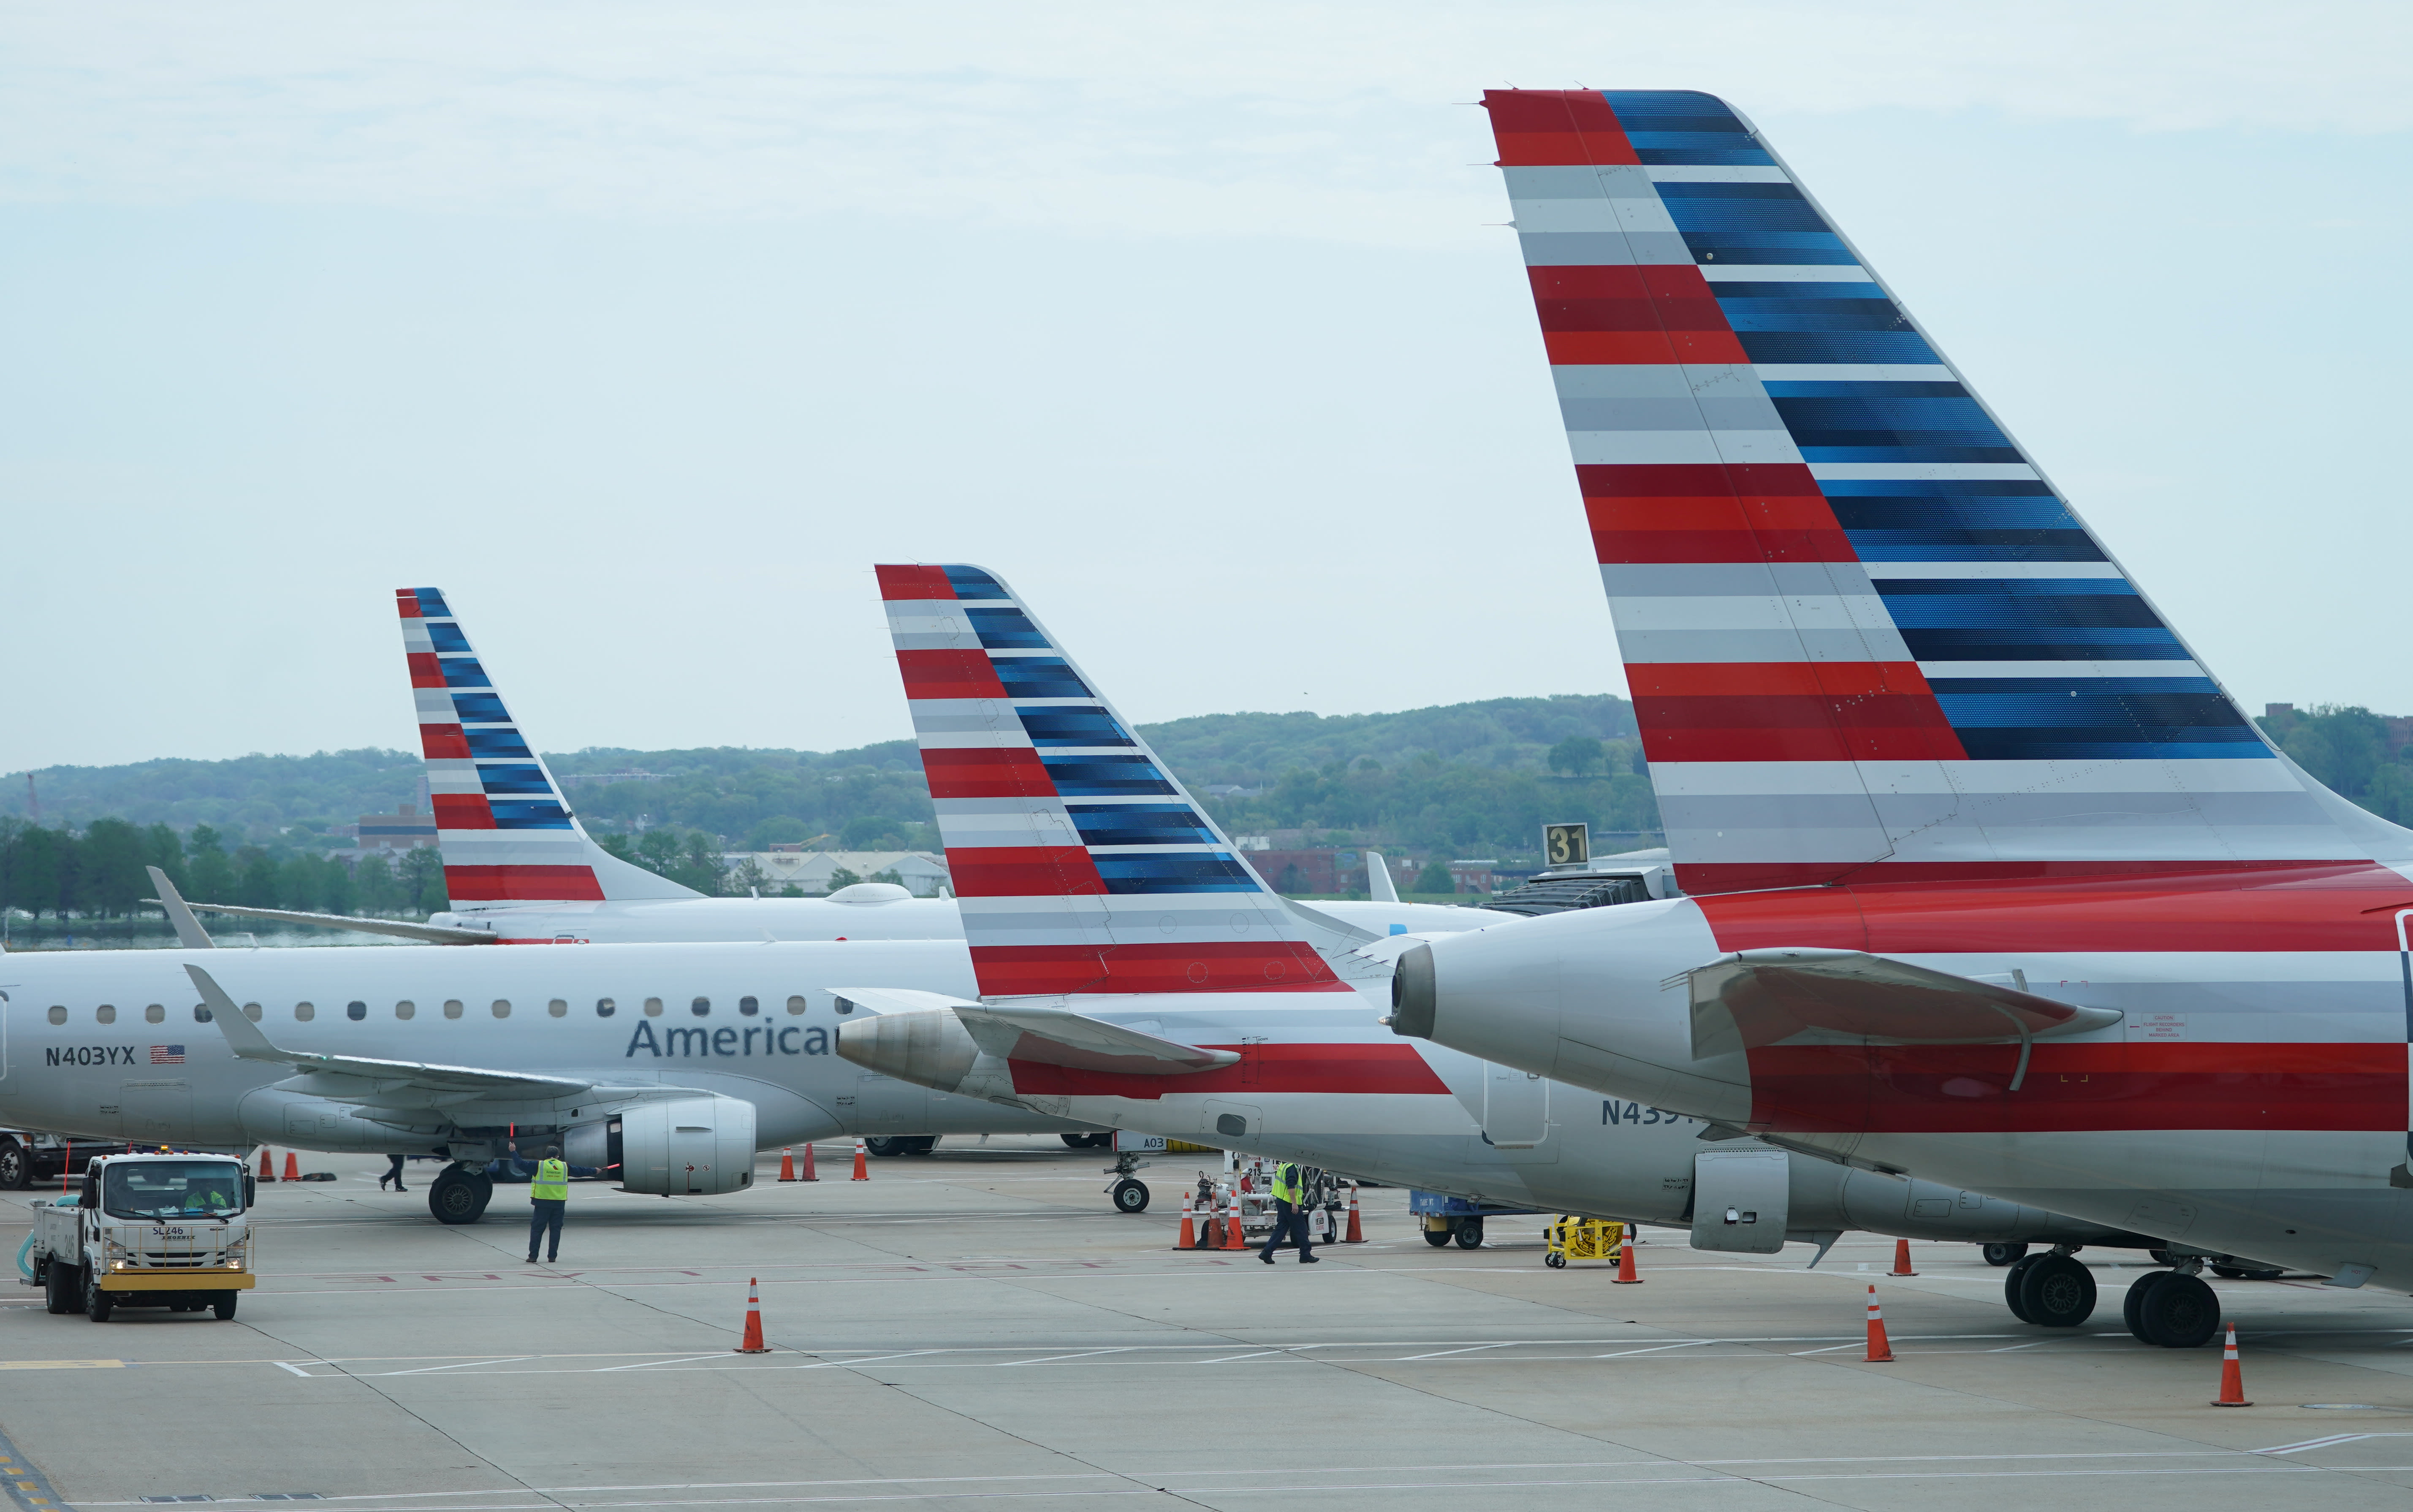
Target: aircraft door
x,y
1516,1107
1741,1198
155,1110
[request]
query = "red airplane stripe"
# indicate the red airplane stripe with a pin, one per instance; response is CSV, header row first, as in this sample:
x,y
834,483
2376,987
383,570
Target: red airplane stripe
x,y
529,884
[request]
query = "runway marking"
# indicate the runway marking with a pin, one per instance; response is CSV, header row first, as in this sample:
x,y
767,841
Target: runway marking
x,y
643,1364
288,1365
430,1369
62,1364
1441,1353
1653,1349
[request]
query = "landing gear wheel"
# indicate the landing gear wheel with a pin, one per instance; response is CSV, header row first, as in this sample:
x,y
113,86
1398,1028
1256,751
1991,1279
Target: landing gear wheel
x,y
457,1196
2017,1273
1130,1195
2180,1312
2057,1292
97,1304
886,1145
1469,1233
2001,1254
1555,1260
16,1167
1437,1238
2247,1273
62,1289
224,1306
2132,1306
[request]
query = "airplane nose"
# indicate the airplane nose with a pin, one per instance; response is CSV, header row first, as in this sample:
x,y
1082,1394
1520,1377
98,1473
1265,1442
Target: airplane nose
x,y
929,1049
1412,993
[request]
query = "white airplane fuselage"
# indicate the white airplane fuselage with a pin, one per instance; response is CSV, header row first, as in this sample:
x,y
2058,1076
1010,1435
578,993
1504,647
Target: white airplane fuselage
x,y
158,1073
2252,1099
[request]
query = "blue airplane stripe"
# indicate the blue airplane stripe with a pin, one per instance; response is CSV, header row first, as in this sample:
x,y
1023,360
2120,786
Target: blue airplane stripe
x,y
1806,388
1985,745
1904,451
2042,643
1944,545
1860,347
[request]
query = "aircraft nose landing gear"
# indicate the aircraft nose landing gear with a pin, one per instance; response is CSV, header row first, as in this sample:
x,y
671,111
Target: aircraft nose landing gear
x,y
460,1194
1129,1194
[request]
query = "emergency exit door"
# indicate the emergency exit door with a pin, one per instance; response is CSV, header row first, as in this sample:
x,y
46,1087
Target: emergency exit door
x,y
1516,1107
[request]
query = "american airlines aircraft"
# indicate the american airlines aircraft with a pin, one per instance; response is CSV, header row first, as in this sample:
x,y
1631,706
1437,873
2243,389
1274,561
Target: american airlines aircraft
x,y
1993,884
520,869
1133,972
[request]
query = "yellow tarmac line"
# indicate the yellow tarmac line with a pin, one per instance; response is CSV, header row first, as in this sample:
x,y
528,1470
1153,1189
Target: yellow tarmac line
x,y
62,1364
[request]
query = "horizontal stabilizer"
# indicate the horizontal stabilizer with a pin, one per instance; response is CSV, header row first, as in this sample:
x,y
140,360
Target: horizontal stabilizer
x,y
1762,997
424,934
1055,1037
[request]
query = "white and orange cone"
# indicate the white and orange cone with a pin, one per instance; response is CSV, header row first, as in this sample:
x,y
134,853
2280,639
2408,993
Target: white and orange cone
x,y
1357,1234
1189,1238
1626,1274
862,1164
1902,1259
292,1167
2232,1378
1237,1238
1880,1348
788,1165
753,1343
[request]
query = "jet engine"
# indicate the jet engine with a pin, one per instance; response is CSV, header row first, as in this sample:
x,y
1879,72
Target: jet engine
x,y
686,1147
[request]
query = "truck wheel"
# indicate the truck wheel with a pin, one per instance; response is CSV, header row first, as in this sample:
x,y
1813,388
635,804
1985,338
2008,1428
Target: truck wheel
x,y
2001,1254
2057,1292
62,1289
1437,1238
16,1167
223,1305
1130,1195
97,1304
2180,1312
455,1197
1469,1233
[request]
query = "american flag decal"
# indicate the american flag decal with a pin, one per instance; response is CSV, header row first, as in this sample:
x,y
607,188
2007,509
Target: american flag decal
x,y
166,1055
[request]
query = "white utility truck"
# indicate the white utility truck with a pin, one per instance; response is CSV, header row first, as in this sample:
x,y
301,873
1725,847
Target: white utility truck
x,y
159,1230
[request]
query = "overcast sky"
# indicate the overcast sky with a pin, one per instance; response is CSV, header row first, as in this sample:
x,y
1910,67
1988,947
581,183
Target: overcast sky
x,y
643,329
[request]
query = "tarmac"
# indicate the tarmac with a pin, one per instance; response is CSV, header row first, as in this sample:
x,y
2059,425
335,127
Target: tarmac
x,y
978,1325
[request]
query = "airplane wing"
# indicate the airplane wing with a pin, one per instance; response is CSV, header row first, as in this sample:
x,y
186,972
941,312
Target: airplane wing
x,y
1765,996
1052,1036
424,934
385,1083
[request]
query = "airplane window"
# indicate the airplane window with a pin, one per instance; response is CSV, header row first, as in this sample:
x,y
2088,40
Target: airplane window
x,y
251,1011
795,1005
105,1013
502,1007
749,1007
605,1007
303,1013
155,1014
355,1010
58,1013
700,1007
557,1008
653,1007
404,1008
201,1013
452,1007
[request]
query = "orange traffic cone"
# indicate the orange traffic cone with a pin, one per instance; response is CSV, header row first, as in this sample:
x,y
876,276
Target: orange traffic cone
x,y
1902,1259
753,1343
2232,1380
292,1167
1880,1351
810,1174
788,1165
1625,1271
1235,1237
862,1166
1356,1230
267,1170
1189,1240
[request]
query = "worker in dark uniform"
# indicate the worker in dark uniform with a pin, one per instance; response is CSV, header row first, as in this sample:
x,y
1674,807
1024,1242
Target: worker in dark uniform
x,y
393,1174
548,1200
1289,1215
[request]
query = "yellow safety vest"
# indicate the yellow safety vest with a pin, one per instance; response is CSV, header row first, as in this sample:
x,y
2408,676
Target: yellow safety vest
x,y
551,1184
1286,1183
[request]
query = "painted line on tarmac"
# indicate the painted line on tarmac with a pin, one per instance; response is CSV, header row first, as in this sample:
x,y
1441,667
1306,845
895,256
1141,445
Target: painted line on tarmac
x,y
29,1489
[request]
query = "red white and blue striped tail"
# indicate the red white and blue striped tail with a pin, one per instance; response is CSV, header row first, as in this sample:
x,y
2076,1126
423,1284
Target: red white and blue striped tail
x,y
506,835
1867,639
1080,864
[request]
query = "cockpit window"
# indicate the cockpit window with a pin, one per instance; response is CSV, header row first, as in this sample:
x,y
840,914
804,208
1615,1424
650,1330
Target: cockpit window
x,y
169,1190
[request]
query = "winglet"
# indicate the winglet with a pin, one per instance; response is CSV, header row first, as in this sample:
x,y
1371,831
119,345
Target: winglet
x,y
1379,884
189,933
242,1036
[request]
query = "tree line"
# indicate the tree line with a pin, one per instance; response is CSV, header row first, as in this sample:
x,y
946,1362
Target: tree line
x,y
99,873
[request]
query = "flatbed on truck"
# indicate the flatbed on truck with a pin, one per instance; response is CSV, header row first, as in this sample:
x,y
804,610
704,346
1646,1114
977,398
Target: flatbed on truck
x,y
146,1231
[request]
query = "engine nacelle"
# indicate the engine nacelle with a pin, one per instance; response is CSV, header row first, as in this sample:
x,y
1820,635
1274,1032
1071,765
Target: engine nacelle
x,y
690,1147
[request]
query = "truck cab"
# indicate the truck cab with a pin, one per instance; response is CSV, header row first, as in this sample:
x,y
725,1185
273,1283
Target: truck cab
x,y
146,1231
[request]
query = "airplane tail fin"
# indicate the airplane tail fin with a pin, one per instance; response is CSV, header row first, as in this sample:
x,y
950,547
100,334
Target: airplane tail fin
x,y
1867,639
1080,864
508,836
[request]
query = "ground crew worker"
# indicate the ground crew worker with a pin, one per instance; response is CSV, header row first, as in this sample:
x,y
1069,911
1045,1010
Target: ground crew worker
x,y
1289,1215
548,1198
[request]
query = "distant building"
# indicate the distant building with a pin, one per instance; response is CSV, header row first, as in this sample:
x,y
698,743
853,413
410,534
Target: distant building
x,y
1252,842
1473,877
407,830
921,873
1313,869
